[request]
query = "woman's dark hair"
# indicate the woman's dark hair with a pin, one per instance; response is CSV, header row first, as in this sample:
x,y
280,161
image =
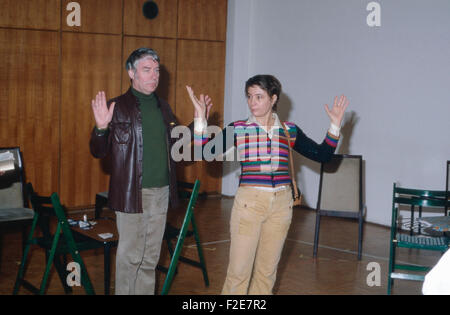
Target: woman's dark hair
x,y
268,83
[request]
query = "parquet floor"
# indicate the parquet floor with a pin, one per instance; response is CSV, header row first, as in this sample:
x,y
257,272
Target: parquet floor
x,y
335,271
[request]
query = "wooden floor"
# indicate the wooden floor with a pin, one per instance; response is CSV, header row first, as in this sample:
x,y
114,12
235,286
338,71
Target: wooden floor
x,y
335,271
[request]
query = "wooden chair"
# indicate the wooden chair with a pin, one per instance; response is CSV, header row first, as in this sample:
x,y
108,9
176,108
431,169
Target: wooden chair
x,y
340,193
56,245
404,199
14,210
176,257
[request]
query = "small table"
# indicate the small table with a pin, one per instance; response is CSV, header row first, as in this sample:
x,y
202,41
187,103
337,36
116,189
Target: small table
x,y
104,225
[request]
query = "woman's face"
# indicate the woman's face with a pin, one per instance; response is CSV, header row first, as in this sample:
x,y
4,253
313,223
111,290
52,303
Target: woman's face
x,y
259,102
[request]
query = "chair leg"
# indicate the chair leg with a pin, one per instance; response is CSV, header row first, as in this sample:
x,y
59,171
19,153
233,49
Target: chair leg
x,y
24,237
176,254
170,247
200,251
107,266
172,266
26,249
420,225
171,251
1,249
85,280
61,270
360,236
50,260
316,234
21,272
391,267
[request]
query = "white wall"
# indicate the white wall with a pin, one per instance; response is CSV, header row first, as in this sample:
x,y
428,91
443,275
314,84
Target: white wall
x,y
397,77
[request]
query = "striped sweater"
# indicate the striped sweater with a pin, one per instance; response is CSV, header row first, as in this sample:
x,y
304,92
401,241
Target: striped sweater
x,y
264,156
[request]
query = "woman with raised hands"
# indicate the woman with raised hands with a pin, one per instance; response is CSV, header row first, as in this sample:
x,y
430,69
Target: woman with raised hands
x,y
262,209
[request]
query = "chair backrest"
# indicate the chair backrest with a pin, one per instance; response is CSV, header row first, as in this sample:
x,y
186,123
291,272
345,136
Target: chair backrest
x,y
340,188
43,206
60,214
12,183
49,207
408,197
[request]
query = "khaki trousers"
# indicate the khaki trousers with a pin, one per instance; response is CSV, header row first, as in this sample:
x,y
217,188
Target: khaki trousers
x,y
140,238
259,224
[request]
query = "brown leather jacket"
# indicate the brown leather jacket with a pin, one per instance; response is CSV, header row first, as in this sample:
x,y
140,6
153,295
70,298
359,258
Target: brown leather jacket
x,y
124,145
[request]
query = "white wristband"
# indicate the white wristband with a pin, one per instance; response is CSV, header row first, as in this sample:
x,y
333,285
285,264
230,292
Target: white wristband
x,y
334,130
200,125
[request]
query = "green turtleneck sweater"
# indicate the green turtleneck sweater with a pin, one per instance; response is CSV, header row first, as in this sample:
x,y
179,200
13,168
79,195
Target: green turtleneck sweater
x,y
155,162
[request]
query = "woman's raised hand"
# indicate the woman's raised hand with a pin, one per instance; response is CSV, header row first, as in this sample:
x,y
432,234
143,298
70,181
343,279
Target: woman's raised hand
x,y
202,106
102,114
336,113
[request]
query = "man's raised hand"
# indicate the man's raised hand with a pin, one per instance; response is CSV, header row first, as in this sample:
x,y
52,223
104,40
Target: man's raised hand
x,y
102,114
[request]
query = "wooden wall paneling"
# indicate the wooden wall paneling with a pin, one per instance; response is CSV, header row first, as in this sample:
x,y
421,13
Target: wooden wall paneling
x,y
97,16
33,14
201,64
166,49
29,102
90,63
202,19
164,25
48,84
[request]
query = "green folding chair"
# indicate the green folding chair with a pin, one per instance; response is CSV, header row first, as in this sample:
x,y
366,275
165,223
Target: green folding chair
x,y
447,188
407,199
188,218
62,242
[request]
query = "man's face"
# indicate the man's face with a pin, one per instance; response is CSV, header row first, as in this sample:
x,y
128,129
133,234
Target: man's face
x,y
146,75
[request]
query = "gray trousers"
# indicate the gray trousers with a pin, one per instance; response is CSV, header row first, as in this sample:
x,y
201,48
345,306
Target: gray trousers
x,y
140,238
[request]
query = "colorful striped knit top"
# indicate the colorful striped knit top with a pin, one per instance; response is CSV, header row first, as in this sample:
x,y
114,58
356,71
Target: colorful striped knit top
x,y
264,156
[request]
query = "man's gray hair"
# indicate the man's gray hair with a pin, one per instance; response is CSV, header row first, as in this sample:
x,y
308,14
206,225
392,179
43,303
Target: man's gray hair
x,y
139,54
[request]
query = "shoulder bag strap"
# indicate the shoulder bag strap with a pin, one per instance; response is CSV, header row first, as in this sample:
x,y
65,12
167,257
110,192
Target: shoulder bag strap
x,y
291,161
